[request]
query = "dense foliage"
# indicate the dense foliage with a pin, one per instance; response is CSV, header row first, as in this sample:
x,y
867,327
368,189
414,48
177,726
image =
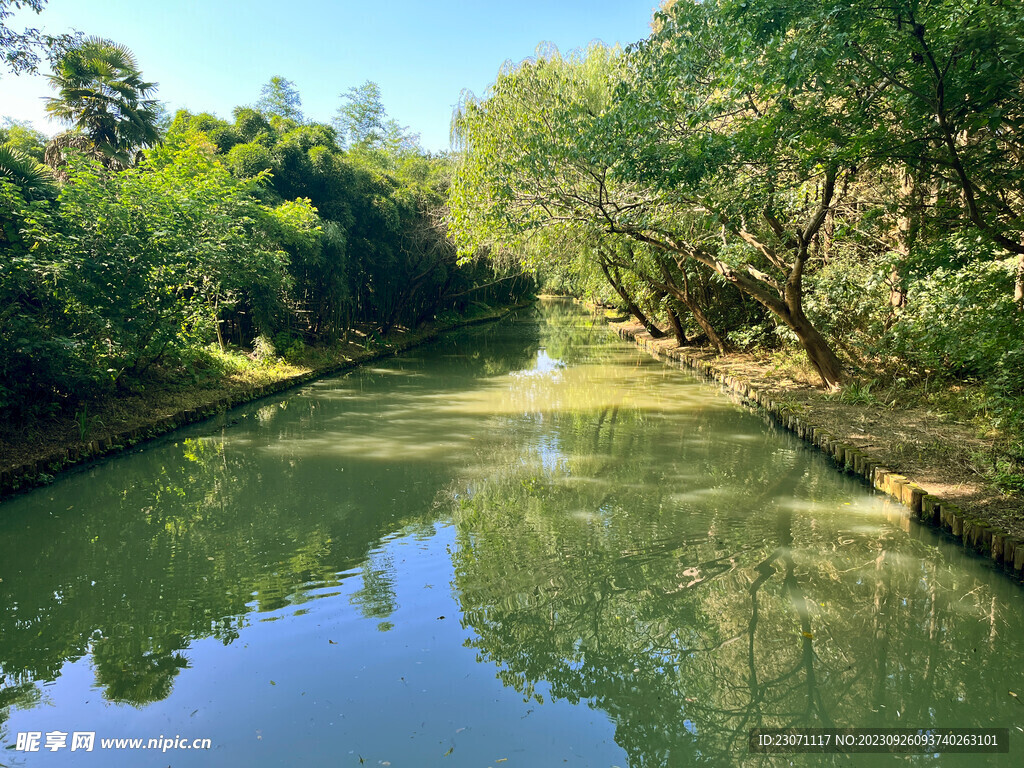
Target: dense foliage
x,y
139,257
839,174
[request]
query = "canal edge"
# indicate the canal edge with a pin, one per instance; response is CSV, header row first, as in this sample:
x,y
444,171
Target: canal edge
x,y
1004,550
42,471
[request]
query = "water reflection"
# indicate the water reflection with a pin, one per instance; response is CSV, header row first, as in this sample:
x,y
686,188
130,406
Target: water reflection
x,y
132,561
759,597
523,510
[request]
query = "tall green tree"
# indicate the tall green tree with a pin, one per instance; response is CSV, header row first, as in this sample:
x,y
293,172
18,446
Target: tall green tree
x,y
281,97
940,88
20,135
362,123
659,148
360,118
101,93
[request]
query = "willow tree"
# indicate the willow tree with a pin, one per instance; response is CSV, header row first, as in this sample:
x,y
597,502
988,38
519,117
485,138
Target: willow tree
x,y
528,166
653,147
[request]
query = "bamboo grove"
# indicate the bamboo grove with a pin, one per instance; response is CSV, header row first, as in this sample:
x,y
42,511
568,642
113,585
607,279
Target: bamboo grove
x,y
138,248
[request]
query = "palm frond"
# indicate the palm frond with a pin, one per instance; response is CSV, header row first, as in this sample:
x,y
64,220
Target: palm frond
x,y
35,179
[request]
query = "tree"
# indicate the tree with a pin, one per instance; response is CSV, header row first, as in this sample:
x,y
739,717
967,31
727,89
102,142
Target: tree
x,y
360,119
946,97
159,250
20,135
19,51
280,97
102,94
399,140
751,144
524,177
600,145
363,123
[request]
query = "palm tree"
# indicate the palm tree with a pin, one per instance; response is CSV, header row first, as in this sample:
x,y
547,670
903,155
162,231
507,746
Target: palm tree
x,y
34,179
102,93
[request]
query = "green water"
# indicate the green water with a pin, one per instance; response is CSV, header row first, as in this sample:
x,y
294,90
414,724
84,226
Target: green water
x,y
525,543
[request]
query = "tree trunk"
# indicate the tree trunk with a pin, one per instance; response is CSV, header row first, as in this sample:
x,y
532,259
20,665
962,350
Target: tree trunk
x,y
906,231
897,290
706,326
631,306
217,321
677,327
685,297
819,352
787,307
1018,288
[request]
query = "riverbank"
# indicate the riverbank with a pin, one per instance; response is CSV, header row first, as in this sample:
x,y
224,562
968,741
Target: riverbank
x,y
29,458
936,466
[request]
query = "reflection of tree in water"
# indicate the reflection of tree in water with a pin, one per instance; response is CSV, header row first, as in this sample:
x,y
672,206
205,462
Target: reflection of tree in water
x,y
15,695
690,625
131,673
206,549
377,599
571,336
183,544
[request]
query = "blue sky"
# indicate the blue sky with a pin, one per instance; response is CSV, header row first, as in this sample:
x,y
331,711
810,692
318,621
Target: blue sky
x,y
212,55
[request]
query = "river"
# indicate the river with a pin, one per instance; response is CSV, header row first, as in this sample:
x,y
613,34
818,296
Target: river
x,y
525,544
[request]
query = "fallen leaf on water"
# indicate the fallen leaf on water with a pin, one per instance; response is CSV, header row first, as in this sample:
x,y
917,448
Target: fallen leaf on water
x,y
450,750
331,641
273,683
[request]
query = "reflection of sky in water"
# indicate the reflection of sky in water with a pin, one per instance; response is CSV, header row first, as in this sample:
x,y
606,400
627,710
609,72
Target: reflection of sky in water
x,y
552,458
544,365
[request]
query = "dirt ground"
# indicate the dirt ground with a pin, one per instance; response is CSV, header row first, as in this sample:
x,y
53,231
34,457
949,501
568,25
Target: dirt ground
x,y
934,450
